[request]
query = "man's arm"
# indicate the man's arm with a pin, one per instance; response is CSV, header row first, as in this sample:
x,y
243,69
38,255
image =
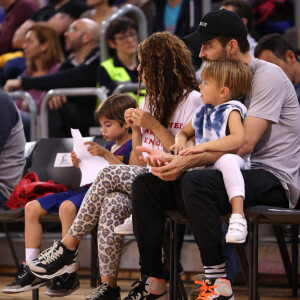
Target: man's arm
x,y
254,129
169,167
81,76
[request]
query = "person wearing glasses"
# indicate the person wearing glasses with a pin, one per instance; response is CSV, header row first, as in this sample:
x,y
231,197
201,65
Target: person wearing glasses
x,y
121,67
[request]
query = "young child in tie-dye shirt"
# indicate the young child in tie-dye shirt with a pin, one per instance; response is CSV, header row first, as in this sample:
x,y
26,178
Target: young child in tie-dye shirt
x,y
217,126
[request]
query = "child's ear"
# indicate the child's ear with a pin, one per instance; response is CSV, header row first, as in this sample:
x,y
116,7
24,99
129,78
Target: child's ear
x,y
224,92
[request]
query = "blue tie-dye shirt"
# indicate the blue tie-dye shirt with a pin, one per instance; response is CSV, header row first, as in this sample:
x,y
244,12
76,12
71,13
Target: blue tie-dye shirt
x,y
210,122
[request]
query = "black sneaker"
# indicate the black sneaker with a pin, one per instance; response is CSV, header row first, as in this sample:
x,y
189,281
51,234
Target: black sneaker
x,y
104,292
149,288
63,285
23,282
214,289
53,262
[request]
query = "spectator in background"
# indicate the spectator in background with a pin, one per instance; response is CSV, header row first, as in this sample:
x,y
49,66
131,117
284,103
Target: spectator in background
x,y
272,16
100,11
179,17
58,14
43,56
176,16
244,10
122,39
79,70
12,144
275,49
16,12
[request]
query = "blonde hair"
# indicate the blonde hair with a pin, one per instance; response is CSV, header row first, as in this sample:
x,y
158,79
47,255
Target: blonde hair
x,y
169,74
232,74
53,53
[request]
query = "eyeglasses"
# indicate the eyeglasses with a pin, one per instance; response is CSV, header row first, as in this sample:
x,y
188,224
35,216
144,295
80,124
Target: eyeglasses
x,y
123,38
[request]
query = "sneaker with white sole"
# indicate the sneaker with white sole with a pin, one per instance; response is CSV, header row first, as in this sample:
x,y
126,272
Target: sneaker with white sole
x,y
24,282
53,262
63,285
149,288
126,227
104,292
237,229
214,289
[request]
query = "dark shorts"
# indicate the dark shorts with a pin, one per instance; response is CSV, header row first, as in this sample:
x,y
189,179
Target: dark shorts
x,y
52,202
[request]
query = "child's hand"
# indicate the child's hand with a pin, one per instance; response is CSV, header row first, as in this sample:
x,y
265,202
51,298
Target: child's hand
x,y
177,147
95,149
192,150
75,160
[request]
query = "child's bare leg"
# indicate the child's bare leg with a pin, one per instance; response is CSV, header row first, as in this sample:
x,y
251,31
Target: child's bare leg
x,y
33,226
67,214
237,204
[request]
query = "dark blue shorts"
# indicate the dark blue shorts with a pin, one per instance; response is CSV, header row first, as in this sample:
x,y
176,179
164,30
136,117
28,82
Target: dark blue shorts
x,y
52,202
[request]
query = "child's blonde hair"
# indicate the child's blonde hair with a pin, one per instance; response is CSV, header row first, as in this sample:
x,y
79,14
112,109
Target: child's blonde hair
x,y
232,74
113,108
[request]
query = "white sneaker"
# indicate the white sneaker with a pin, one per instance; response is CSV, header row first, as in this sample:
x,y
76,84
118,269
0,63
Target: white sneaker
x,y
126,227
237,229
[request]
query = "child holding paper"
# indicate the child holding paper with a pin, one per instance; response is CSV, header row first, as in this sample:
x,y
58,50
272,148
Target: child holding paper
x,y
117,133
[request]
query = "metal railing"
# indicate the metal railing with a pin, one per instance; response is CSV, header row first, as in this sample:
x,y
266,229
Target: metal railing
x,y
127,87
32,111
83,91
128,10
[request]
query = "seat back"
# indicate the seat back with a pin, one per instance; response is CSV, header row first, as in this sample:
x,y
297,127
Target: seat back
x,y
43,159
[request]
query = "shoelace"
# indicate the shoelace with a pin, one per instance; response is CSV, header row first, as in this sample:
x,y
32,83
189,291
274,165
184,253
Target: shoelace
x,y
50,255
205,291
100,290
137,291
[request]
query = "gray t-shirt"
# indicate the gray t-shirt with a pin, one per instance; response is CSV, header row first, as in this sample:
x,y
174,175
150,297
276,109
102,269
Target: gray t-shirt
x,y
12,144
272,97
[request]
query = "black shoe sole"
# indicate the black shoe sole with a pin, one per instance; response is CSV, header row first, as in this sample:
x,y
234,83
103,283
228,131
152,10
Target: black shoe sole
x,y
54,294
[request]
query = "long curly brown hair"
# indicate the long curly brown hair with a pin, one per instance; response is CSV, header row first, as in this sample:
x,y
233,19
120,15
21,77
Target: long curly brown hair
x,y
169,75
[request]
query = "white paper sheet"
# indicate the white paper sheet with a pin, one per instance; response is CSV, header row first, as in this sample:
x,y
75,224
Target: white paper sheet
x,y
89,165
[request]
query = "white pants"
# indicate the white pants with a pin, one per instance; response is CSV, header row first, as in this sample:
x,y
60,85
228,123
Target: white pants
x,y
231,165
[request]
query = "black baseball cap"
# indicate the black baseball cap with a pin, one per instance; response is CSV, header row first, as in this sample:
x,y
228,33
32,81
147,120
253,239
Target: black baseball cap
x,y
217,23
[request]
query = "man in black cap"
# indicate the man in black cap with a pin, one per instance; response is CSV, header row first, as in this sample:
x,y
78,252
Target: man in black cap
x,y
272,136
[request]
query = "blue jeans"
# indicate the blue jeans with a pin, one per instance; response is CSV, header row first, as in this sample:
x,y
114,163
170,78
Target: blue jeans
x,y
230,256
2,199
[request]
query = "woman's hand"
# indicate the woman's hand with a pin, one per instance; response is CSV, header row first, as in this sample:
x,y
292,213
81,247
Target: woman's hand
x,y
75,160
95,149
143,119
128,119
12,85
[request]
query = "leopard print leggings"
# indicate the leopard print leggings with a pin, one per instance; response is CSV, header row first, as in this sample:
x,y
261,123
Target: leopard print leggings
x,y
107,203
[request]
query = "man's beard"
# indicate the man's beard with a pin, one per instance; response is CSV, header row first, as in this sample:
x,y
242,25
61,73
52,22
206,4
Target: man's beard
x,y
223,56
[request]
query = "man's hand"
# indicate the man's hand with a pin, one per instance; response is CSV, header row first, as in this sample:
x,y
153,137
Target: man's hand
x,y
12,85
56,102
164,165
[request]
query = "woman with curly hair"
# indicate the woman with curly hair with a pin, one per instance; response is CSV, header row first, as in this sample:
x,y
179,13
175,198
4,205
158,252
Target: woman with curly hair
x,y
171,98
